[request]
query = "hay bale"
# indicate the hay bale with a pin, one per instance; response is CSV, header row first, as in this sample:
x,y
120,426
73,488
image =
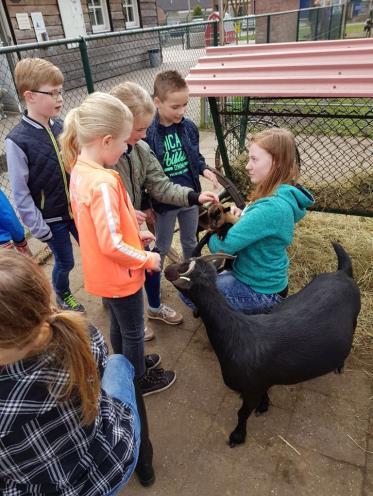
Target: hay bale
x,y
312,253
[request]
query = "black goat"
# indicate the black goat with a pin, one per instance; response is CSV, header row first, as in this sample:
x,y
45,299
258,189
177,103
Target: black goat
x,y
305,336
216,219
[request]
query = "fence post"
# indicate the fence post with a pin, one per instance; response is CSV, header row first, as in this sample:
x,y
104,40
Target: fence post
x,y
330,23
298,23
215,33
86,66
268,29
317,25
219,135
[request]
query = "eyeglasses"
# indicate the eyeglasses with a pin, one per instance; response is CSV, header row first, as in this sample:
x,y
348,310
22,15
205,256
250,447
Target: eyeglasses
x,y
54,94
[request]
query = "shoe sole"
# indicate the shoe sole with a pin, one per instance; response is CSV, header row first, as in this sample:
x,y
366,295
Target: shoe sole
x,y
164,320
160,390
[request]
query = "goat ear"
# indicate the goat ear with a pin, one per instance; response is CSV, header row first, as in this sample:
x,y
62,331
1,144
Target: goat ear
x,y
218,259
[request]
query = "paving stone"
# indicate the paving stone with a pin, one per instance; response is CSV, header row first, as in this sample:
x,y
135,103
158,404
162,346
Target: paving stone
x,y
199,383
310,474
323,423
172,425
218,474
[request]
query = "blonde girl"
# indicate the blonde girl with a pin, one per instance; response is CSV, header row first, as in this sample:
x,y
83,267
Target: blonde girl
x,y
60,432
260,238
112,246
141,172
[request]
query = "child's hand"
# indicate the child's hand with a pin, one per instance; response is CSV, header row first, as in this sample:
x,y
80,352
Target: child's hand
x,y
157,262
211,177
236,211
147,237
208,196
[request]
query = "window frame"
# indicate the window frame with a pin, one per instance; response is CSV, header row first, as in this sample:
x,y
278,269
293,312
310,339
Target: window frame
x,y
136,14
106,26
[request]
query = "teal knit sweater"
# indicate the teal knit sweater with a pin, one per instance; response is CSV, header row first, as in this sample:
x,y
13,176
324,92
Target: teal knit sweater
x,y
261,236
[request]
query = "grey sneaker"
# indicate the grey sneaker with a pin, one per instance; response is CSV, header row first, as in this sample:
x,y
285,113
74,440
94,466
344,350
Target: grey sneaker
x,y
156,380
166,314
67,301
148,334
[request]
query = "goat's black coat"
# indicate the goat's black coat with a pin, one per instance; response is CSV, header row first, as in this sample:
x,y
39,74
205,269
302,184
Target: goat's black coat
x,y
305,336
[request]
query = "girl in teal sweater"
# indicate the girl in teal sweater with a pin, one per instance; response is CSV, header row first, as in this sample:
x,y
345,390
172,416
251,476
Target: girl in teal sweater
x,y
259,278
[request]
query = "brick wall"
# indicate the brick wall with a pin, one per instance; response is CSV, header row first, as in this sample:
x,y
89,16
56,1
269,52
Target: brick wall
x,y
282,27
108,57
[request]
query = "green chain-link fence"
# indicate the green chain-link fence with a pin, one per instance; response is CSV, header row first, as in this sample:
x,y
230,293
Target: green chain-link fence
x,y
98,62
334,138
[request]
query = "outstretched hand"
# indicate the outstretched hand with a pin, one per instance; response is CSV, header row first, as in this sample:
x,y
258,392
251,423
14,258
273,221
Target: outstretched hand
x,y
208,197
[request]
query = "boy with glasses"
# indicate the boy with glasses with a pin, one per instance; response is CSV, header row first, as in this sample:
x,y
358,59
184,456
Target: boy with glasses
x,y
36,171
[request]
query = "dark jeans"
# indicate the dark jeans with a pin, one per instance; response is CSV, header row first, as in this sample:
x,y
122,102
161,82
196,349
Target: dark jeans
x,y
153,288
62,249
127,328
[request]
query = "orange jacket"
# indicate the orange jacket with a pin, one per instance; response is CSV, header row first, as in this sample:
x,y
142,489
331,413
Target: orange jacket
x,y
113,256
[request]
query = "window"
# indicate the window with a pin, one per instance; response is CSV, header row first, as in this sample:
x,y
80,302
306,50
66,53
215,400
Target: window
x,y
131,14
98,15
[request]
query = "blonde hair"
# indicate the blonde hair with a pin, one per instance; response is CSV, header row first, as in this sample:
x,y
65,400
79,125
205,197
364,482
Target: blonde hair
x,y
280,144
32,73
136,98
22,280
168,82
100,114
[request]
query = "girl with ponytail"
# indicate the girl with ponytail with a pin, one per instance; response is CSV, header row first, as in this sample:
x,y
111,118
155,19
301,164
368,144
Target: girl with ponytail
x,y
65,426
112,245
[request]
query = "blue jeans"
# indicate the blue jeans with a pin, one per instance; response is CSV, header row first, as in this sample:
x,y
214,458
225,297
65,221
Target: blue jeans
x,y
127,328
165,226
62,249
117,382
240,296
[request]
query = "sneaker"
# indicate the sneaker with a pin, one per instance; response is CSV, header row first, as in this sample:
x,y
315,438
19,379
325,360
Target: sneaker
x,y
152,361
148,334
67,301
156,380
166,314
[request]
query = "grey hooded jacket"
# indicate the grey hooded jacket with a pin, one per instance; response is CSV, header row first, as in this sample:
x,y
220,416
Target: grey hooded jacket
x,y
140,170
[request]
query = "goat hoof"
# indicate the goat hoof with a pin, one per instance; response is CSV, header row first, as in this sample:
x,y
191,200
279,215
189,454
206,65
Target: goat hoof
x,y
236,438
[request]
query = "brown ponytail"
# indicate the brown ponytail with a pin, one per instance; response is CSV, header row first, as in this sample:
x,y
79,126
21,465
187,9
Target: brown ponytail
x,y
71,346
25,307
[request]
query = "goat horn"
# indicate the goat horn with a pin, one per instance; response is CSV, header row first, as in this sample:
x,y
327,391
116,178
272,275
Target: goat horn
x,y
217,256
190,269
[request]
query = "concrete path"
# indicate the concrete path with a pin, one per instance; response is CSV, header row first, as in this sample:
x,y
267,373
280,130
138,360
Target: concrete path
x,y
316,439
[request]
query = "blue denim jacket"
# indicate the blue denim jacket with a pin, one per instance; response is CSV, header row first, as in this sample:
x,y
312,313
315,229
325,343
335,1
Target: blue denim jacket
x,y
189,137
